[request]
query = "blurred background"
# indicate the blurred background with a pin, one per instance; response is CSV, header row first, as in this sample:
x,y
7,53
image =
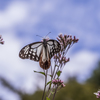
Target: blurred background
x,y
22,20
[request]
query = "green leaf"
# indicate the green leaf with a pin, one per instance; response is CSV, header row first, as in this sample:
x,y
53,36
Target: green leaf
x,y
48,98
49,75
49,82
58,73
40,72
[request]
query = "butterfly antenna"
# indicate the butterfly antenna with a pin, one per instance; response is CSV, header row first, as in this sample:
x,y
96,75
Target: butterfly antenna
x,y
39,36
47,34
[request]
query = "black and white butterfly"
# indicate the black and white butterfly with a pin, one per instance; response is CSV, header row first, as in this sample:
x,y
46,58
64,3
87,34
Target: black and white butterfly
x,y
41,51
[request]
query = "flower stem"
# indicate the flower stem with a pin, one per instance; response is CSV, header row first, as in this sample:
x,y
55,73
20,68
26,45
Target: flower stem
x,y
50,92
55,93
50,84
45,84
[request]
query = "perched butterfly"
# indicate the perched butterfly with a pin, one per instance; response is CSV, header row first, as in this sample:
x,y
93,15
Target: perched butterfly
x,y
41,51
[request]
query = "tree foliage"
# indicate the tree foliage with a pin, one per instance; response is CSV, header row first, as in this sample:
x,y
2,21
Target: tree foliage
x,y
95,77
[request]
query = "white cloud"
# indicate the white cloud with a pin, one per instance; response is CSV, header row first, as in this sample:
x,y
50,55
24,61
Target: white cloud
x,y
17,71
81,64
6,94
14,14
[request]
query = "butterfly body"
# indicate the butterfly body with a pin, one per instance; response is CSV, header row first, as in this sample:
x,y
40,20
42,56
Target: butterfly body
x,y
44,56
41,51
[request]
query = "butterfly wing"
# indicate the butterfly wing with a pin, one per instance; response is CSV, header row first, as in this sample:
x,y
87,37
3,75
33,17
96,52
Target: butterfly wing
x,y
31,51
53,47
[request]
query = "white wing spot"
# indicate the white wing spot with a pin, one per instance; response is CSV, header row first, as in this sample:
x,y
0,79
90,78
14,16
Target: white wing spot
x,y
31,49
26,52
22,55
30,52
33,53
36,58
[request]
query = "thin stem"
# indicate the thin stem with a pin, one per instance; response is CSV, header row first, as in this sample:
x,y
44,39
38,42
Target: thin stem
x,y
46,80
56,71
50,92
52,74
69,46
45,83
55,93
53,70
54,66
50,84
59,88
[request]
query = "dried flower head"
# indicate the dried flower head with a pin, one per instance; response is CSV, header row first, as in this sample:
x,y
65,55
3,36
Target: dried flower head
x,y
66,40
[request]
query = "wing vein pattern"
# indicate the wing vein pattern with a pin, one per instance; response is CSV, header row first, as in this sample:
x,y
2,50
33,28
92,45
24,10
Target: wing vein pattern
x,y
34,50
31,51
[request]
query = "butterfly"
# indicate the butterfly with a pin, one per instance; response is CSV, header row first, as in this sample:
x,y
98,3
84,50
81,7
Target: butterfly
x,y
41,52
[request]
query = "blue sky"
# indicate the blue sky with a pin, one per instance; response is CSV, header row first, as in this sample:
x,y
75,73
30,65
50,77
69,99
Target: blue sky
x,y
22,20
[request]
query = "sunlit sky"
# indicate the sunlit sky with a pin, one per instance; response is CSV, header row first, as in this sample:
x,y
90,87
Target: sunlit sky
x,y
22,20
